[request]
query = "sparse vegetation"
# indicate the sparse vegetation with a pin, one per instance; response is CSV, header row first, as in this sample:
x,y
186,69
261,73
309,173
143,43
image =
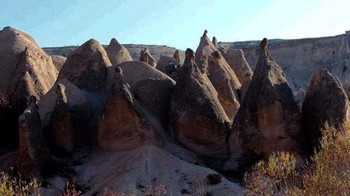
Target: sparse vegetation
x,y
71,189
327,174
10,186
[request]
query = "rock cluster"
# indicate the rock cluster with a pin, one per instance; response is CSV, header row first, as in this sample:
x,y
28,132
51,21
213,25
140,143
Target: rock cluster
x,y
223,78
217,108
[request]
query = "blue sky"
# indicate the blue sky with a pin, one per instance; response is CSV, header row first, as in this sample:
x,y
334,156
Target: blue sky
x,y
173,22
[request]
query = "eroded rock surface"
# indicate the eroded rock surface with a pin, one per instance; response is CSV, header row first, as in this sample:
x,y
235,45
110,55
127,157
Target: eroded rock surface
x,y
121,126
235,58
197,117
268,120
87,66
325,102
117,53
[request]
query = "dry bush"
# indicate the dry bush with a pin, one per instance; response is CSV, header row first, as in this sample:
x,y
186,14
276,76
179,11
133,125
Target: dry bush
x,y
71,189
327,174
330,172
10,186
275,176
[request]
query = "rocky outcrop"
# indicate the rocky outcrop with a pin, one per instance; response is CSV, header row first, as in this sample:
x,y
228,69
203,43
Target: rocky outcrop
x,y
223,78
146,57
235,58
167,65
121,126
215,41
25,69
197,118
177,57
117,53
69,114
325,102
87,66
151,88
225,82
58,61
268,120
33,151
205,48
62,122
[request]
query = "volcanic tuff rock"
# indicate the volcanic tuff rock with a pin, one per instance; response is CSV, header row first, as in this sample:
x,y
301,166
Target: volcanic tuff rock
x,y
117,53
146,57
235,58
87,66
58,61
25,69
268,119
121,126
62,128
150,87
220,74
197,118
205,48
167,64
75,99
33,150
177,57
225,82
325,101
215,41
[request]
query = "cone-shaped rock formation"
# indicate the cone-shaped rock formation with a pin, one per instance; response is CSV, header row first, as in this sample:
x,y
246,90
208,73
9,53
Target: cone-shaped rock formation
x,y
325,102
197,117
117,53
87,66
121,126
151,88
70,116
33,151
25,69
268,119
225,82
220,74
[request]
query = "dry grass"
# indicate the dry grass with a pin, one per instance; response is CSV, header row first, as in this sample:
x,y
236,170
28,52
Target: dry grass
x,y
10,186
327,174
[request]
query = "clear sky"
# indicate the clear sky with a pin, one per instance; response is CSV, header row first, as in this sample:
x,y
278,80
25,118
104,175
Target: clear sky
x,y
173,22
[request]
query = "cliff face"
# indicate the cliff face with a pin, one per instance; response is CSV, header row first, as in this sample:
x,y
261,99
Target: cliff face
x,y
299,58
134,50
